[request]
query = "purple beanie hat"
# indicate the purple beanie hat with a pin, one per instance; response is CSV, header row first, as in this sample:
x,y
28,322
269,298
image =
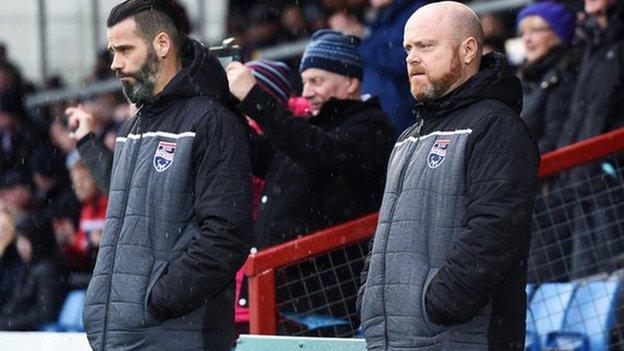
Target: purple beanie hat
x,y
558,17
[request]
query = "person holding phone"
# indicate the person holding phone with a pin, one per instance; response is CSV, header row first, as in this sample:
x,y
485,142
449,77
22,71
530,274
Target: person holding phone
x,y
325,168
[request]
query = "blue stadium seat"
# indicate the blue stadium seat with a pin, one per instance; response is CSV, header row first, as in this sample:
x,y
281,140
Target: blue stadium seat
x,y
314,321
547,312
70,318
530,290
589,319
532,341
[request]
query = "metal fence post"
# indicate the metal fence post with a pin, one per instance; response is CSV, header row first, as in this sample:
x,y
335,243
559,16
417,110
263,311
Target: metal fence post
x,y
262,312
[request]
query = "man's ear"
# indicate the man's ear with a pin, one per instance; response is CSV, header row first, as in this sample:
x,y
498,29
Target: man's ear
x,y
469,50
162,45
353,85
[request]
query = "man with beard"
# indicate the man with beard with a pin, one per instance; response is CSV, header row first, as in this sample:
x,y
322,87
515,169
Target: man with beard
x,y
179,188
447,269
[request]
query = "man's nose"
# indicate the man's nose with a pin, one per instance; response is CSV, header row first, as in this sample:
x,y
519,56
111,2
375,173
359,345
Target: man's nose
x,y
307,91
116,65
412,57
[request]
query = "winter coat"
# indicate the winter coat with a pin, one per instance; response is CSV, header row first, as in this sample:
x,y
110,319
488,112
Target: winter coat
x,y
36,298
17,146
11,267
37,294
384,62
547,86
597,105
448,265
178,218
319,171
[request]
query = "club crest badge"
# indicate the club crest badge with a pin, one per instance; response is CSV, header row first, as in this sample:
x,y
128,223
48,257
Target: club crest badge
x,y
164,155
437,154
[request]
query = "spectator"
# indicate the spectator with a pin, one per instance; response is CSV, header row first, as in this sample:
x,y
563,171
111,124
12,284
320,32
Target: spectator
x,y
383,57
93,210
73,246
272,77
334,158
323,169
447,269
598,100
53,193
101,69
597,106
36,297
18,137
494,33
59,136
73,262
16,192
78,235
10,76
293,23
11,265
263,29
547,30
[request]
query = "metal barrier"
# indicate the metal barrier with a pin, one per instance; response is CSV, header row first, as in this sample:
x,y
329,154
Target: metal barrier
x,y
581,197
281,343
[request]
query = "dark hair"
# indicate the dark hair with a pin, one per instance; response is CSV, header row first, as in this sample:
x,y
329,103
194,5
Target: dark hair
x,y
153,17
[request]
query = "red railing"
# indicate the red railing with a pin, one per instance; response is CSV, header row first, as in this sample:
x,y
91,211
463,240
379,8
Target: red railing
x,y
261,266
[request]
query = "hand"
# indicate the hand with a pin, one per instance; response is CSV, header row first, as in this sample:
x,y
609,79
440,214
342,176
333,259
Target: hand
x,y
81,122
240,80
95,237
64,231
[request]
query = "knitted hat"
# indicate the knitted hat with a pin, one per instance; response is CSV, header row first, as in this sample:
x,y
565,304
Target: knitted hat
x,y
272,76
558,17
335,52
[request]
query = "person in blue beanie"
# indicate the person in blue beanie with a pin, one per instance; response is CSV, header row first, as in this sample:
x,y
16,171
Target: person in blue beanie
x,y
320,170
548,78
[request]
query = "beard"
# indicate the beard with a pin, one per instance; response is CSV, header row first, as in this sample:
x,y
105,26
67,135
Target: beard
x,y
141,90
437,87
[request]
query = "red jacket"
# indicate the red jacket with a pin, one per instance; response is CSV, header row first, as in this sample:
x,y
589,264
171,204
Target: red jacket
x,y
92,217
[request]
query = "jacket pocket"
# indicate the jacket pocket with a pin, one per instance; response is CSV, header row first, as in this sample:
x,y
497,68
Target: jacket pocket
x,y
433,328
159,268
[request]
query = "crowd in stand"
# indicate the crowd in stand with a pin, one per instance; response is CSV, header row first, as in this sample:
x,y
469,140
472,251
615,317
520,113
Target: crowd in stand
x,y
310,172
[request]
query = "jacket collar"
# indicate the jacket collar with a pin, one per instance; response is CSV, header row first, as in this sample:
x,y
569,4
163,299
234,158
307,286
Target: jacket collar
x,y
495,80
336,111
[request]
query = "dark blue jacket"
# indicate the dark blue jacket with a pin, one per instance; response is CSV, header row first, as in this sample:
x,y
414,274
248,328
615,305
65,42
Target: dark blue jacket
x,y
385,73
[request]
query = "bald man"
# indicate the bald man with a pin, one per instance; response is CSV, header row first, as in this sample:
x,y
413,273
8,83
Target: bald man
x,y
447,269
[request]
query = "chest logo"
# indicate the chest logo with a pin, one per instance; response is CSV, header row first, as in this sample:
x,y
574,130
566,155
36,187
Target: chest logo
x,y
437,154
164,155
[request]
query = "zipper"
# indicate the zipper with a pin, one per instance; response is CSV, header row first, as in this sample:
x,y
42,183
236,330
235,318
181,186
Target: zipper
x,y
412,132
136,125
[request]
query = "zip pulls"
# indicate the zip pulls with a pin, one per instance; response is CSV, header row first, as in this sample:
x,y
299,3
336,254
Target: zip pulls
x,y
409,132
